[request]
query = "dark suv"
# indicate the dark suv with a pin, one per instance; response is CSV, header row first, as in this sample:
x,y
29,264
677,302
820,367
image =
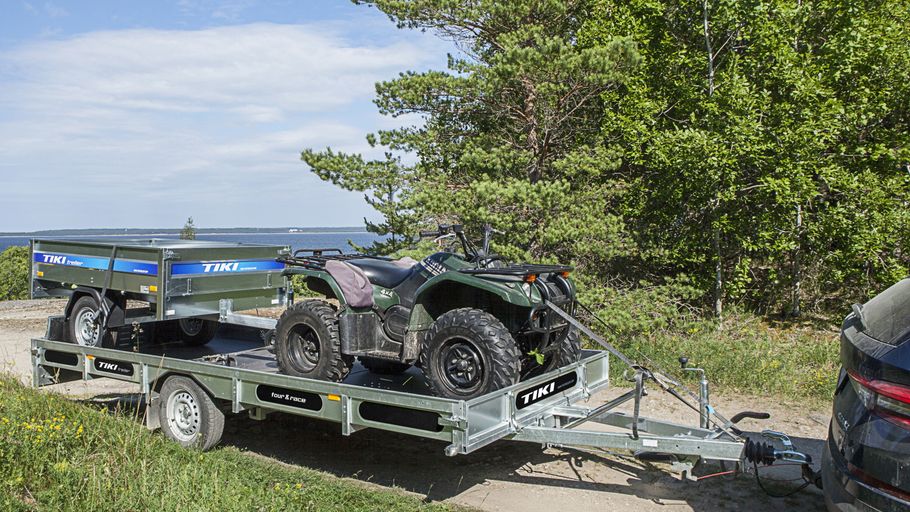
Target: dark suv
x,y
866,463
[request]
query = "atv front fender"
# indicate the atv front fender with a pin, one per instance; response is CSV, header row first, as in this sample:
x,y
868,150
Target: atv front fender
x,y
512,292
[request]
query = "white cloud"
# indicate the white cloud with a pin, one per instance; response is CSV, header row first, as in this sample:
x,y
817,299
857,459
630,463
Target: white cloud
x,y
157,125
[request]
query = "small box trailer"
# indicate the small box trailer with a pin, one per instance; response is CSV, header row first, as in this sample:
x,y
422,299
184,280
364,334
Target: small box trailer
x,y
178,279
188,389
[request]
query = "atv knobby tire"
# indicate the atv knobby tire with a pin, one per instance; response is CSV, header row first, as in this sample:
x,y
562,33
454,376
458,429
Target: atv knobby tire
x,y
307,343
383,366
467,353
568,351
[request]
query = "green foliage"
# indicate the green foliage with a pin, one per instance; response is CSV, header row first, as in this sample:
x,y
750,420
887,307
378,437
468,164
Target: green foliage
x,y
754,153
14,270
189,230
60,455
508,135
790,142
384,182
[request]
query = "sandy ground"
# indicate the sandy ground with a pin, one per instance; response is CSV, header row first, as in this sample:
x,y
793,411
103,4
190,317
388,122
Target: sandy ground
x,y
503,476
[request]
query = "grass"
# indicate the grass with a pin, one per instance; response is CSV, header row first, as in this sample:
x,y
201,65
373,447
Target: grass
x,y
59,455
748,354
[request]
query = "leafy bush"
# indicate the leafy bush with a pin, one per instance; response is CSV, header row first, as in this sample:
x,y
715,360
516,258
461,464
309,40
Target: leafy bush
x,y
14,273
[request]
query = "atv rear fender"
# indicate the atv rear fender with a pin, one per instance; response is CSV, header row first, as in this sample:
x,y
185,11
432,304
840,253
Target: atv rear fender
x,y
321,282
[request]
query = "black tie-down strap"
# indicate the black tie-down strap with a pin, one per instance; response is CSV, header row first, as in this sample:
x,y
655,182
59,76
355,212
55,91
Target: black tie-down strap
x,y
663,381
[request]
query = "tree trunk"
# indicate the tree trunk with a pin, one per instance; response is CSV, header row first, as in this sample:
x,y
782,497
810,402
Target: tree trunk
x,y
797,269
718,279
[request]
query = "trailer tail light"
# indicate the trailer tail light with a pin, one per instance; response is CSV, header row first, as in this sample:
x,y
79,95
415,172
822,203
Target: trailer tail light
x,y
891,401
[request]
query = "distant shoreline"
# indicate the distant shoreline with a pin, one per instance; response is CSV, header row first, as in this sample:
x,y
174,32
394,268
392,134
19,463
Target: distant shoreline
x,y
84,233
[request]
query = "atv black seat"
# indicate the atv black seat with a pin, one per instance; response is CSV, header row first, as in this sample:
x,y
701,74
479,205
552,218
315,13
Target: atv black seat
x,y
381,272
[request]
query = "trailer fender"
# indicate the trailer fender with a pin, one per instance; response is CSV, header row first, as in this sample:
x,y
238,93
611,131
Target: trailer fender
x,y
201,380
116,307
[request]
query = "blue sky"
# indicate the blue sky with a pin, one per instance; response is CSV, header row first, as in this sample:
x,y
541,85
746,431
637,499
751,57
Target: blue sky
x,y
141,114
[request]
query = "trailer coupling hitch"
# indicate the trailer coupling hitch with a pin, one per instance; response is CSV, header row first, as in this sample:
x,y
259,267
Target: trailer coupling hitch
x,y
765,453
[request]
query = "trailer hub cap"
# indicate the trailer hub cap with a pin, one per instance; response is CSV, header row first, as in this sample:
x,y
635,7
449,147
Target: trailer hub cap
x,y
86,328
183,415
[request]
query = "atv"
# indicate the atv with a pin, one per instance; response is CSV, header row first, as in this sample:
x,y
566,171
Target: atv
x,y
472,322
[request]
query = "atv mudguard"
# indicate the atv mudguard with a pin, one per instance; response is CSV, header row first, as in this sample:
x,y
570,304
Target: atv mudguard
x,y
321,275
421,320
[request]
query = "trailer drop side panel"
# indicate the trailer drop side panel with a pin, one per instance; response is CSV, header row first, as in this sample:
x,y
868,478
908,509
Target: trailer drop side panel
x,y
179,278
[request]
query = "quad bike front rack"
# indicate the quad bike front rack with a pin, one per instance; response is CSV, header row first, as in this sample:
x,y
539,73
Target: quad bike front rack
x,y
551,409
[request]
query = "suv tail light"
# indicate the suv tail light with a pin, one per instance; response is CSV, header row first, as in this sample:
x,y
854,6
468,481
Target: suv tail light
x,y
891,401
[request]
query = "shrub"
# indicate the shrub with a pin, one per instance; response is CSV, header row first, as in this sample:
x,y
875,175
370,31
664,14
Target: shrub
x,y
14,273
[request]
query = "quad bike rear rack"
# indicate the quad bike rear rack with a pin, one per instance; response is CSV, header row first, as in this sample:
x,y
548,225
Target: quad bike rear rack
x,y
551,409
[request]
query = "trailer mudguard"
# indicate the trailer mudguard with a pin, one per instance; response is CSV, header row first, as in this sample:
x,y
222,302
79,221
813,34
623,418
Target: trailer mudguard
x,y
117,308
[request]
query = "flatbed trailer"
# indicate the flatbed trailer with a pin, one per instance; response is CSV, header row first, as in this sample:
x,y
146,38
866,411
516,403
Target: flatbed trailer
x,y
546,410
183,384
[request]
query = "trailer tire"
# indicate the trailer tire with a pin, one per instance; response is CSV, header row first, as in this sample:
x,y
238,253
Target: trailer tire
x,y
487,355
188,415
83,327
383,366
196,331
307,343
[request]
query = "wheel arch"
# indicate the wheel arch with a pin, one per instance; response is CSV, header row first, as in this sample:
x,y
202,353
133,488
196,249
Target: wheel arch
x,y
445,293
322,283
115,302
162,377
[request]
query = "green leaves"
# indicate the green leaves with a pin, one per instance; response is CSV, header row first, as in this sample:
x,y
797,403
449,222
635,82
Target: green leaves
x,y
771,170
14,273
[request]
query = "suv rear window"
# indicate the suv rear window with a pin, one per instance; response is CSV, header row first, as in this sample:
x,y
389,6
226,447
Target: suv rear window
x,y
886,317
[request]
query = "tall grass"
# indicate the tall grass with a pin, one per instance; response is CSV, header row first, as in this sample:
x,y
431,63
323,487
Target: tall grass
x,y
746,354
60,455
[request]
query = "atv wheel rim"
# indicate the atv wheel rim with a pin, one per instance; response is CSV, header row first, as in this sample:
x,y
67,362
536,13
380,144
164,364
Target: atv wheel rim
x,y
191,326
87,331
183,416
303,348
461,366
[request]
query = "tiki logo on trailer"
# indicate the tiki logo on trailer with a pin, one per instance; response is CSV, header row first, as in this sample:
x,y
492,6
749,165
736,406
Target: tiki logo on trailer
x,y
547,389
111,366
220,267
54,259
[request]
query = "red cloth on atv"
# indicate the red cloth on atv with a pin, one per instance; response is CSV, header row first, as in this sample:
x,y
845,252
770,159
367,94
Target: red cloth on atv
x,y
356,288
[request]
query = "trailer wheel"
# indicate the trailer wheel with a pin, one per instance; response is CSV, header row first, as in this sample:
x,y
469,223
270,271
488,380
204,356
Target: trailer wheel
x,y
188,415
383,366
196,331
307,343
468,353
85,326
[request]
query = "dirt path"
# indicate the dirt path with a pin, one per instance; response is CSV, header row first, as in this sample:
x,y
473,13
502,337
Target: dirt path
x,y
504,476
